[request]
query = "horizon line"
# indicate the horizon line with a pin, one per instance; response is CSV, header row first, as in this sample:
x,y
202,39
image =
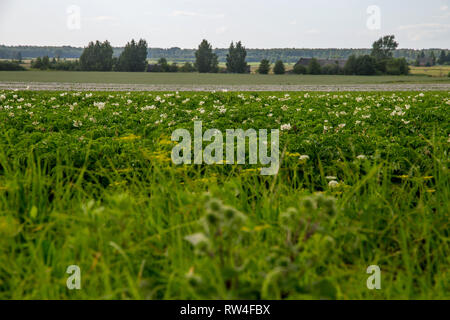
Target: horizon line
x,y
218,48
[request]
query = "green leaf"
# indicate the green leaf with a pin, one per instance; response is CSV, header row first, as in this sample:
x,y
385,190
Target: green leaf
x,y
33,212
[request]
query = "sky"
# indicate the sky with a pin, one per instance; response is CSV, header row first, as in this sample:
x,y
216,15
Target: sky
x,y
257,23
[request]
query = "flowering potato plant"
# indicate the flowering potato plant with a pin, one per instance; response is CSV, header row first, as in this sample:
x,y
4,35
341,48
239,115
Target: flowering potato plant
x,y
88,179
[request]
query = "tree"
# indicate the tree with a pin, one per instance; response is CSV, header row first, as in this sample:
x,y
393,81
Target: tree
x,y
350,66
11,66
236,58
362,65
417,61
215,64
384,47
433,58
279,67
163,65
134,57
403,66
314,67
205,60
187,67
397,67
173,67
366,65
45,63
442,58
332,68
299,69
97,57
264,67
37,63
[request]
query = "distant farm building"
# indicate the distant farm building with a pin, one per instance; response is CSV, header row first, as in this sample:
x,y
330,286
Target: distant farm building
x,y
425,62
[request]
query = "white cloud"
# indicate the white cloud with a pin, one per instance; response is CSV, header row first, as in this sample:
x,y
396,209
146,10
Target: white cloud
x,y
425,25
103,18
444,13
183,13
425,31
221,30
312,31
180,13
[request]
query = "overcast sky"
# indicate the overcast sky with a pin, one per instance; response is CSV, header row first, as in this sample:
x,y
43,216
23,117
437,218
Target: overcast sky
x,y
258,23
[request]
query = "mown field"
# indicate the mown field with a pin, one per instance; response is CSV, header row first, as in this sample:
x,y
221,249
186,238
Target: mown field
x,y
435,71
86,179
205,79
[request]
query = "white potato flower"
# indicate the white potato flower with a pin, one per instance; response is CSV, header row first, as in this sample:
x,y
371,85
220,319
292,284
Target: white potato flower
x,y
304,157
333,184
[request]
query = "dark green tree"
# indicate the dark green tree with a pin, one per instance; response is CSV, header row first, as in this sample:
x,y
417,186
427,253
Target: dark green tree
x,y
299,69
236,56
397,67
45,63
442,58
205,60
332,68
417,61
215,64
187,67
11,66
362,65
134,57
384,47
433,58
314,67
403,66
173,67
97,57
163,65
366,65
36,63
350,66
264,67
279,67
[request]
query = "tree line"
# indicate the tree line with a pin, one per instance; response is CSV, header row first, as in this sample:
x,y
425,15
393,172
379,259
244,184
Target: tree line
x,y
98,56
381,60
431,60
11,66
444,58
206,61
175,54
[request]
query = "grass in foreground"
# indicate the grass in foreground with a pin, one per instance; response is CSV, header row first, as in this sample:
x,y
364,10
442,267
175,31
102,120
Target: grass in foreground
x,y
86,179
205,79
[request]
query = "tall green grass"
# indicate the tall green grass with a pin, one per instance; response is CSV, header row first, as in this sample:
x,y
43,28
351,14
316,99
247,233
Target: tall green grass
x,y
130,238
